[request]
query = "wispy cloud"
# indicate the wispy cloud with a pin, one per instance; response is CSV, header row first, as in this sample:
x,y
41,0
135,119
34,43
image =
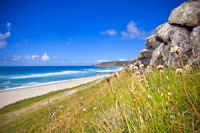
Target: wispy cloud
x,y
4,36
100,61
16,57
110,32
133,32
122,59
35,57
45,57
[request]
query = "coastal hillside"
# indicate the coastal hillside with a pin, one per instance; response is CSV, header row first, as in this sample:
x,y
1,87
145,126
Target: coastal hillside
x,y
158,101
182,30
157,92
114,63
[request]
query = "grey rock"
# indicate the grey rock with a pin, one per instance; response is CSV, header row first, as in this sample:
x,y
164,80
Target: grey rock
x,y
187,14
174,36
195,37
152,42
145,53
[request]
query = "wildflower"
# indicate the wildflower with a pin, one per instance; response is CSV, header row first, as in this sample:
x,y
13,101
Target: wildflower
x,y
57,120
104,121
149,96
53,129
108,80
81,98
52,115
116,75
175,49
121,97
68,115
160,67
95,108
144,91
135,68
84,110
169,94
58,126
85,122
141,80
137,73
133,90
97,72
134,100
161,94
179,70
141,66
61,107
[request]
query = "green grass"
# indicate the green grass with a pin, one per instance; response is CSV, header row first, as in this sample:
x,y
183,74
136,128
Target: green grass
x,y
30,101
132,103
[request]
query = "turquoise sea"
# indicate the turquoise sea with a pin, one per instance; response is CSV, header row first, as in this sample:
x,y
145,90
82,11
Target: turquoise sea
x,y
16,77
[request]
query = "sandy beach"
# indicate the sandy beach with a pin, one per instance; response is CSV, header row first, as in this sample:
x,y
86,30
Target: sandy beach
x,y
11,96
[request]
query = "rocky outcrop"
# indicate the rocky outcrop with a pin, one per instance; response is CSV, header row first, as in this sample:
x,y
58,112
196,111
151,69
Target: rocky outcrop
x,y
195,38
182,30
187,14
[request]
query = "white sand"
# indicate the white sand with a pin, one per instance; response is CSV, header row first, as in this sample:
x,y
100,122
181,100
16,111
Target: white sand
x,y
11,96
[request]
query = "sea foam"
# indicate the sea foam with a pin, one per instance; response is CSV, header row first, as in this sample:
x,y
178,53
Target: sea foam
x,y
46,74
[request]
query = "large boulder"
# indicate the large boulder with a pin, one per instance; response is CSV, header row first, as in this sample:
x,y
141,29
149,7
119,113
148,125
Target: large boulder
x,y
188,14
145,53
195,37
157,55
174,36
152,42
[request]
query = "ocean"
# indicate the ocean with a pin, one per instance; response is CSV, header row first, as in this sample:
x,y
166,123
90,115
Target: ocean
x,y
16,77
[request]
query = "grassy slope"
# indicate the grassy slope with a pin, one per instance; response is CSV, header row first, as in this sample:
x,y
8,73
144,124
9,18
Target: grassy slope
x,y
128,104
30,101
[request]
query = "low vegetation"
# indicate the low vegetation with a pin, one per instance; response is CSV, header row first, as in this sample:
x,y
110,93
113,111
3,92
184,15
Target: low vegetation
x,y
154,101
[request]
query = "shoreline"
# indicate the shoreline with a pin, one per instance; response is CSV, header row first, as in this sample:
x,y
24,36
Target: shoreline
x,y
11,96
42,84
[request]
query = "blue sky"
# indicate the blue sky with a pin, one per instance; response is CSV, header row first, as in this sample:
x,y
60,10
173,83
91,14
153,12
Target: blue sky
x,y
77,32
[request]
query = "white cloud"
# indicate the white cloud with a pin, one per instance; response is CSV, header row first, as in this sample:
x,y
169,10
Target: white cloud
x,y
27,57
16,57
3,36
100,61
110,32
122,59
3,43
8,25
35,57
45,57
132,32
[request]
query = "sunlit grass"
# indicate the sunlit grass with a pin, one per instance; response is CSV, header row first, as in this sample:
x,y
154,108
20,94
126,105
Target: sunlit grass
x,y
152,101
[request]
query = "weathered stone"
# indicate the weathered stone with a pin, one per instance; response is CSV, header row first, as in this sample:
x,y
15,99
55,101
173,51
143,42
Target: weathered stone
x,y
145,61
187,14
195,37
145,53
157,57
174,36
152,42
180,32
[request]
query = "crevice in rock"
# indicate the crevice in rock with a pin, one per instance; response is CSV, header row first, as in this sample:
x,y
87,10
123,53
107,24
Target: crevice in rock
x,y
159,39
189,28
